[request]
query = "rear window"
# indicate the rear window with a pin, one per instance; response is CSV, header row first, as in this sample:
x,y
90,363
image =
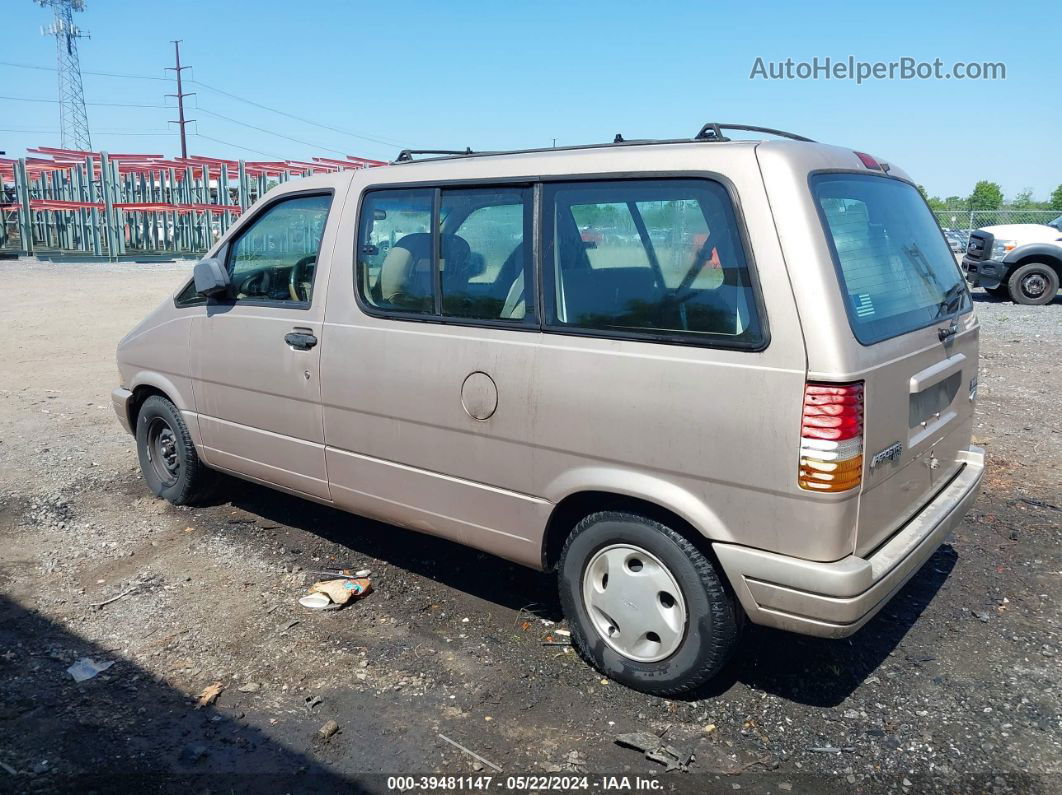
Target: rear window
x,y
897,272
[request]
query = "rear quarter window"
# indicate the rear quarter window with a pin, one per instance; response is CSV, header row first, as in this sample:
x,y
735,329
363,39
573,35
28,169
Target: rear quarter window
x,y
652,258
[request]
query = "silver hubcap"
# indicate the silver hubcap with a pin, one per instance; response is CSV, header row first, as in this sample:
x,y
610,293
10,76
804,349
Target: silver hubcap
x,y
1034,285
634,603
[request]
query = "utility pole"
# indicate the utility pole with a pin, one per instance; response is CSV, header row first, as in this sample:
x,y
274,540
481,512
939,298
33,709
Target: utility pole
x,y
181,120
73,121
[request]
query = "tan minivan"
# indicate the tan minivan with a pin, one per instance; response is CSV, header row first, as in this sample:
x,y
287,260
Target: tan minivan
x,y
704,379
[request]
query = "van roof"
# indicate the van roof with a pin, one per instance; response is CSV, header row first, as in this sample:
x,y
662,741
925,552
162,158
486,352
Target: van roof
x,y
797,152
712,132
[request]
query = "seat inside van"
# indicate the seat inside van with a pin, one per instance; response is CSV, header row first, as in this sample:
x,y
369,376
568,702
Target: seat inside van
x,y
635,298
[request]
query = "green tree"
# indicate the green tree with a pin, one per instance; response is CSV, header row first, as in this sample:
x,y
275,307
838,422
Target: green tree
x,y
935,202
955,203
1023,201
986,196
1056,199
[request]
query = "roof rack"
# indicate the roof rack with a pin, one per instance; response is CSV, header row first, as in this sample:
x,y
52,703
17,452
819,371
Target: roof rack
x,y
406,155
713,131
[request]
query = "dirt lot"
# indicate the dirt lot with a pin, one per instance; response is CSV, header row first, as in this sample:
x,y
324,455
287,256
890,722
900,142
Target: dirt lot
x,y
953,687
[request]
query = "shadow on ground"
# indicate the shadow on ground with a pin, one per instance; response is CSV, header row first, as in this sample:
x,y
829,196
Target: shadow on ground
x,y
806,670
124,730
823,673
462,568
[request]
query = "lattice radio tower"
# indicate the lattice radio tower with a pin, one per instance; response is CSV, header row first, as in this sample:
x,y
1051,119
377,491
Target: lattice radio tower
x,y
73,121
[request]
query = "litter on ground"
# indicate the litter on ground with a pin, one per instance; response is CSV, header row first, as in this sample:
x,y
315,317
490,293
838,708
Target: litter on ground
x,y
86,668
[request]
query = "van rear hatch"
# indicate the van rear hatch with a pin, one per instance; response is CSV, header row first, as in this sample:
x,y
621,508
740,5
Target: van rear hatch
x,y
909,309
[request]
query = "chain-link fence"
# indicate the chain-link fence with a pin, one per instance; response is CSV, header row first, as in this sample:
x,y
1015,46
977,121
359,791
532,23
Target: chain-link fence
x,y
968,220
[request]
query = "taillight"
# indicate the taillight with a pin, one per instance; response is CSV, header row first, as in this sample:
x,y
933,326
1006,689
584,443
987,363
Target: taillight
x,y
831,437
868,160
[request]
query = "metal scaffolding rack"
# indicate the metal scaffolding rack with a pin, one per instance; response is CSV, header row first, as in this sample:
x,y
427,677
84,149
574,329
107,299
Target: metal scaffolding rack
x,y
71,204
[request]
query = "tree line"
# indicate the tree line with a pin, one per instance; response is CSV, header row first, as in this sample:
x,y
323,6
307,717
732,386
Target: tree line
x,y
989,196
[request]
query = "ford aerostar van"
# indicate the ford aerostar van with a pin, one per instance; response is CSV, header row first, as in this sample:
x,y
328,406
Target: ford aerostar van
x,y
704,380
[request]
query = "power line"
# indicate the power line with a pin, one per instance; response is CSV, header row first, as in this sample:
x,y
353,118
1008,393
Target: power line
x,y
297,118
126,105
238,146
100,132
98,74
97,104
269,132
351,133
200,109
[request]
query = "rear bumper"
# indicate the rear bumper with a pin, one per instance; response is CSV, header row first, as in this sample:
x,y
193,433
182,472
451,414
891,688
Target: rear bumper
x,y
833,600
984,272
120,400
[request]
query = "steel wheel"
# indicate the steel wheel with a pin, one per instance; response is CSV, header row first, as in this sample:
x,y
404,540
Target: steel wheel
x,y
162,451
634,603
1034,285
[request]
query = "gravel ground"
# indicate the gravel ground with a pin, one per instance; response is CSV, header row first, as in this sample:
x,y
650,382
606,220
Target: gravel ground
x,y
953,687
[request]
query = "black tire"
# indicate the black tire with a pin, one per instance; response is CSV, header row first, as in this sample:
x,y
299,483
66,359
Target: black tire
x,y
1033,284
1002,291
168,460
714,619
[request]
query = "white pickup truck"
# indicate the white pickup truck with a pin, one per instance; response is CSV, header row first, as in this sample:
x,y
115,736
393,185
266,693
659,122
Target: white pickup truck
x,y
1022,262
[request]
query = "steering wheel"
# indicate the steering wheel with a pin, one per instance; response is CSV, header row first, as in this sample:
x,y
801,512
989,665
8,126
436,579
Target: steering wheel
x,y
257,284
298,284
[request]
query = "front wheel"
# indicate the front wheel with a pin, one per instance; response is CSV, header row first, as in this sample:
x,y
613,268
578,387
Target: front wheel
x,y
168,460
646,607
1034,284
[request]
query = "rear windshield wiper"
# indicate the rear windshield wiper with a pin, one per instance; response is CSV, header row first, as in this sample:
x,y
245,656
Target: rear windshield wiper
x,y
953,295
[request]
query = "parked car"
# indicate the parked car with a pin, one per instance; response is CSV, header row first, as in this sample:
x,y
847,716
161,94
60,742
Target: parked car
x,y
771,426
957,240
1022,262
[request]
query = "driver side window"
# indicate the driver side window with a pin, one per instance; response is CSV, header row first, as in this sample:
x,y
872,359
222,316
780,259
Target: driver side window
x,y
275,258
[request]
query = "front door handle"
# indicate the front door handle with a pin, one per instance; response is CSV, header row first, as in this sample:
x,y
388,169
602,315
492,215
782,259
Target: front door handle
x,y
300,340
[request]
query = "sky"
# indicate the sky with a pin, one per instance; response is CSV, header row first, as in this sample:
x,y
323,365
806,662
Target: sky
x,y
376,77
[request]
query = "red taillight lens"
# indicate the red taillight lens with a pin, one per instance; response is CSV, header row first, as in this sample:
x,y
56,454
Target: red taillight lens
x,y
868,161
831,437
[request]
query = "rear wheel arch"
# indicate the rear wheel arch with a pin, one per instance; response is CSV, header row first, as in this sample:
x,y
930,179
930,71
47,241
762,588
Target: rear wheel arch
x,y
577,506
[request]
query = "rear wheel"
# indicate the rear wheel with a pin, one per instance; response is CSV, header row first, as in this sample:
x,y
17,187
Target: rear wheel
x,y
168,460
646,606
1034,283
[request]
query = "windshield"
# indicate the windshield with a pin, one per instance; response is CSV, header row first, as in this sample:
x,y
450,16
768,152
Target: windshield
x,y
897,271
1057,223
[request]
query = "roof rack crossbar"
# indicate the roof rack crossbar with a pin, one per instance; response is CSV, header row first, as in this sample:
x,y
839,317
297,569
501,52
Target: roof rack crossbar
x,y
406,155
713,131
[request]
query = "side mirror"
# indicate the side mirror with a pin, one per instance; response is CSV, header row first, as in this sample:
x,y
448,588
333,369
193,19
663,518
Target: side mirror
x,y
210,278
